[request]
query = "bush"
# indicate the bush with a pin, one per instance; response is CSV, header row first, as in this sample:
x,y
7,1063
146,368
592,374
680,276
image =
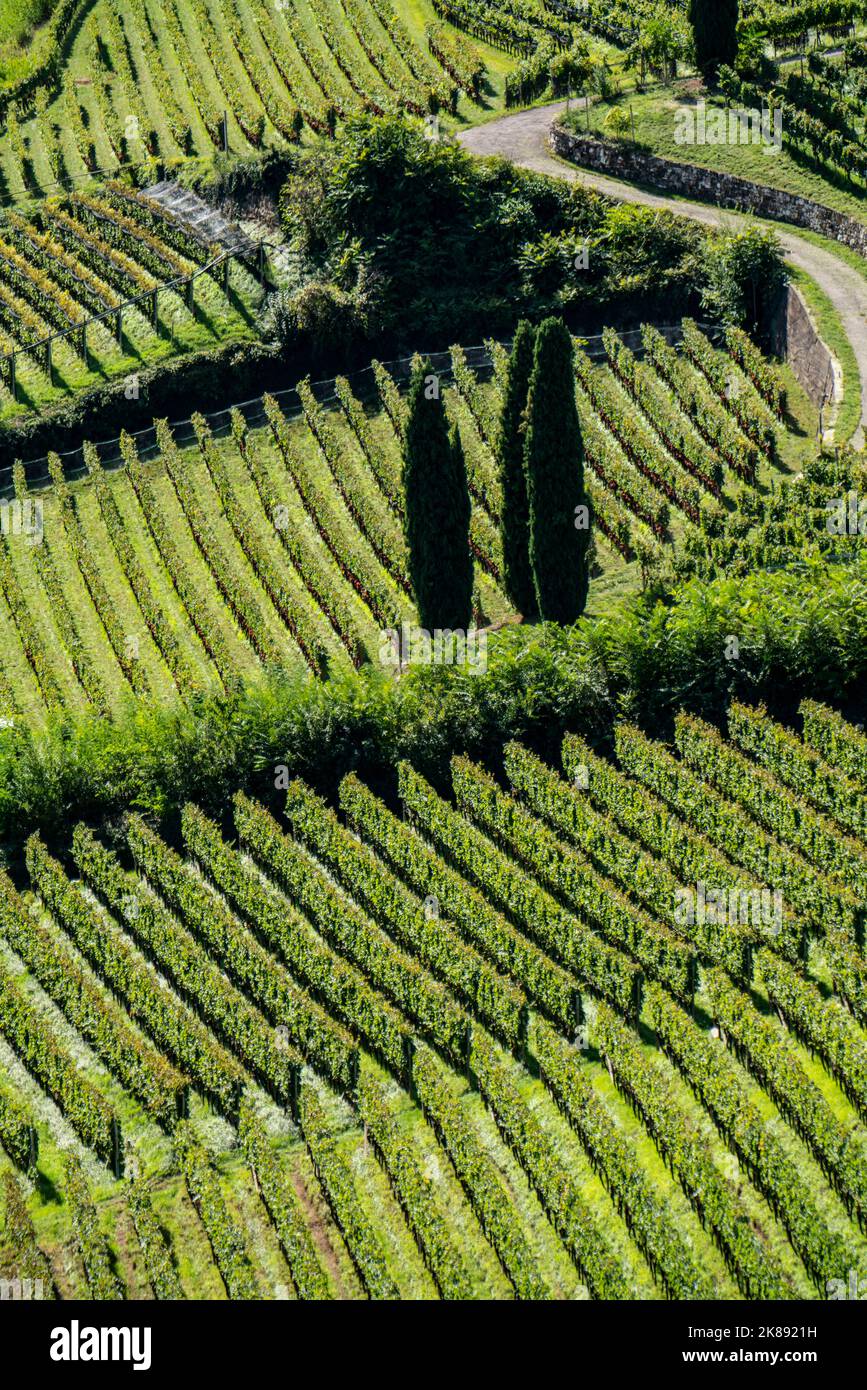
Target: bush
x,y
800,634
382,205
744,276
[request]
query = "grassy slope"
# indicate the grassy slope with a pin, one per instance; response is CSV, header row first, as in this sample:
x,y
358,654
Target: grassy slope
x,y
201,1279
654,115
613,579
19,25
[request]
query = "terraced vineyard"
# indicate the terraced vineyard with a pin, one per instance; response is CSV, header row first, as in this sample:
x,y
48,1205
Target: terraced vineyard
x,y
155,79
326,973
478,1050
264,541
821,111
96,285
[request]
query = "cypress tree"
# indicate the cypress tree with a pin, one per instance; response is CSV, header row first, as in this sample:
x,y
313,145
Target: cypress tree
x,y
714,25
437,509
554,465
515,516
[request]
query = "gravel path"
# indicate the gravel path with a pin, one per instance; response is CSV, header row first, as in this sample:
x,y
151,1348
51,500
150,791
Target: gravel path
x,y
522,138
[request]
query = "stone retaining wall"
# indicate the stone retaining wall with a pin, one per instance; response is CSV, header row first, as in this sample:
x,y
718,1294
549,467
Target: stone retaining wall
x,y
622,160
795,337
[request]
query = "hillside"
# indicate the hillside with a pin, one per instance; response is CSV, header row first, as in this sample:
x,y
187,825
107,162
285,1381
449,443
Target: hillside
x,y
433,645
469,953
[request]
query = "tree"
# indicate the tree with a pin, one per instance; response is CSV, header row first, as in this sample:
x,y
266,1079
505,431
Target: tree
x,y
714,25
515,510
744,277
554,466
437,509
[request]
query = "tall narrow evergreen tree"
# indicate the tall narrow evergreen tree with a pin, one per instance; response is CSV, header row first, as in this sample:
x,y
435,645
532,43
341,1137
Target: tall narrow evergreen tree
x,y
714,25
554,464
515,513
437,509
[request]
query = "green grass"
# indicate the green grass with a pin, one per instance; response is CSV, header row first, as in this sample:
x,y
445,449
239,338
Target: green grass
x,y
19,22
612,579
654,112
832,333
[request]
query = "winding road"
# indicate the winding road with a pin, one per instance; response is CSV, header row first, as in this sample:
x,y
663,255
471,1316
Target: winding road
x,y
522,138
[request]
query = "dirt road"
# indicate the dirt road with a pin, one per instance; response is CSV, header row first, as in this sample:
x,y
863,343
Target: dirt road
x,y
522,138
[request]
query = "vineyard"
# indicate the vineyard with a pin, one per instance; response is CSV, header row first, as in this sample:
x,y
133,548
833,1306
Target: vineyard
x,y
433,802
273,537
168,80
474,1050
100,285
820,109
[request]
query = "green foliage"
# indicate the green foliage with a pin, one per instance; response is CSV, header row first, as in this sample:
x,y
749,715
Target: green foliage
x,y
824,1024
161,1089
597,965
278,1194
173,1027
714,1079
781,752
197,978
800,633
842,744
227,1242
415,1193
617,851
161,1272
478,1173
352,932
323,1042
54,1068
94,1249
758,1044
781,812
719,1209
20,1236
396,222
554,467
567,875
18,1135
433,943
644,1209
557,1190
338,985
546,983
736,834
333,1172
743,278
